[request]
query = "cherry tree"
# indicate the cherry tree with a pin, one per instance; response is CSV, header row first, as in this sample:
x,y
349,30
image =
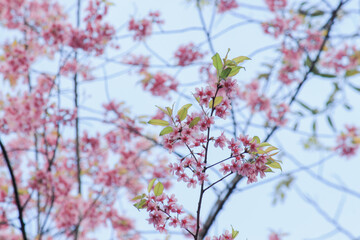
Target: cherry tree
x,y
117,114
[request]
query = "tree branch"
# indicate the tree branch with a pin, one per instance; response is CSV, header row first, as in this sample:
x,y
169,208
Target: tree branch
x,y
16,192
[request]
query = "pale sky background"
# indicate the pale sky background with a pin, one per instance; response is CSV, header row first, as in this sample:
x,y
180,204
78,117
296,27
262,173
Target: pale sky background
x,y
250,210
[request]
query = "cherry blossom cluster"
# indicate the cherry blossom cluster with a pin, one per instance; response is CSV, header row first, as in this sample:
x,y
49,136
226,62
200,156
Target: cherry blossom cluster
x,y
143,28
280,25
72,67
259,102
248,166
226,5
275,236
343,59
276,5
186,54
159,84
163,210
15,61
225,236
248,156
348,142
96,34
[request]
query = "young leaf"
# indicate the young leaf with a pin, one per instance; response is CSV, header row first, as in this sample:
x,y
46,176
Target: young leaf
x,y
230,63
217,102
138,197
217,63
140,204
317,13
234,71
240,59
256,139
275,165
331,123
166,130
351,72
158,189
158,122
163,110
269,149
169,110
325,75
314,127
225,73
182,113
264,144
194,122
151,183
234,233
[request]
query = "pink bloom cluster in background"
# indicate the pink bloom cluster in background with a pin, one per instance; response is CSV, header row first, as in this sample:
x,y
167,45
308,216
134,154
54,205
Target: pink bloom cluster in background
x,y
348,142
143,28
274,236
226,5
257,102
164,211
225,236
280,25
275,5
159,84
341,59
186,54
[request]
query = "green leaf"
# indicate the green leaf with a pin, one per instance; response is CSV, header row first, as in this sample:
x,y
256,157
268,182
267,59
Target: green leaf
x,y
140,204
166,130
317,13
225,73
275,165
194,122
151,184
230,63
264,144
234,233
169,110
240,59
326,75
305,106
158,122
348,107
217,102
351,72
331,123
182,113
269,149
256,139
138,197
163,110
217,63
158,189
264,75
314,126
268,170
234,71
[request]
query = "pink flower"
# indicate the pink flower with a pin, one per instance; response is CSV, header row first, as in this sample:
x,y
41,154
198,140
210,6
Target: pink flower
x,y
348,142
220,141
186,54
275,5
226,5
143,28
